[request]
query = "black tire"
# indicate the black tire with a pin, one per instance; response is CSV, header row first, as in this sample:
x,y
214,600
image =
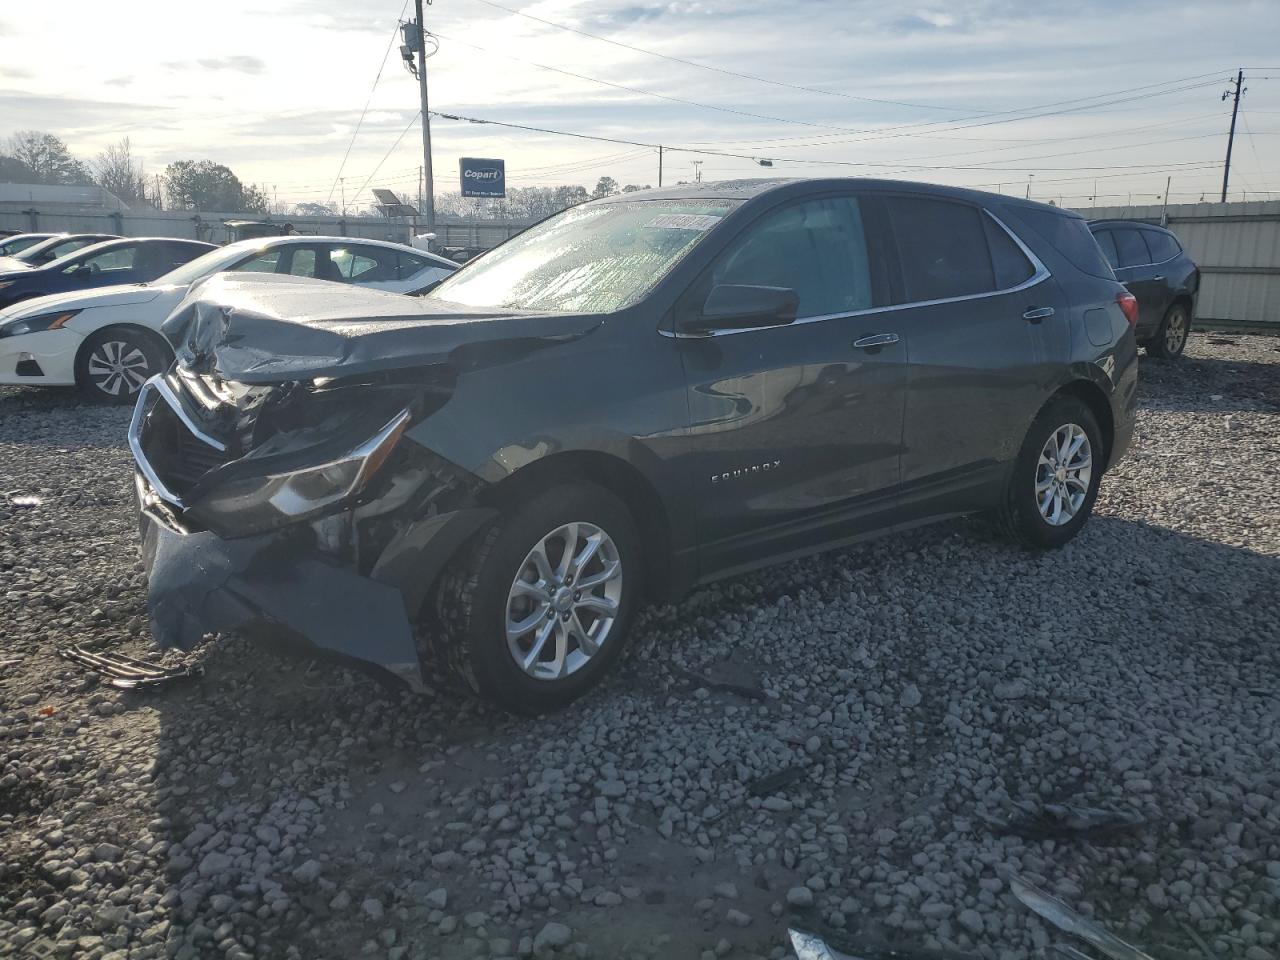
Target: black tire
x,y
1019,518
140,354
1170,338
472,599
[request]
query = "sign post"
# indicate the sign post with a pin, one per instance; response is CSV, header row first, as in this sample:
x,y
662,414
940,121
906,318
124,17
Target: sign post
x,y
482,178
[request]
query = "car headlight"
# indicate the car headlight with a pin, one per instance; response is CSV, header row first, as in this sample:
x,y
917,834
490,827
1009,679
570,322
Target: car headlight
x,y
253,504
36,324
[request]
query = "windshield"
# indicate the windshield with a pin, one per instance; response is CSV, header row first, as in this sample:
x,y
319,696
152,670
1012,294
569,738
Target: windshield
x,y
595,258
17,244
204,265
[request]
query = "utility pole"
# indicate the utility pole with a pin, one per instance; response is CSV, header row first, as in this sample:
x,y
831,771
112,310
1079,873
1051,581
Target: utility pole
x,y
1235,108
428,198
659,164
342,185
159,195
697,171
1164,211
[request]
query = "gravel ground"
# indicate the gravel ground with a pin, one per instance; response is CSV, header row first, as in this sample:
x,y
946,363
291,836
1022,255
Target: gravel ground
x,y
918,688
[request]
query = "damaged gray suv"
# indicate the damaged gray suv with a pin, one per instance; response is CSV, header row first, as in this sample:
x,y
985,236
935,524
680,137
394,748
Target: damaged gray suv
x,y
635,396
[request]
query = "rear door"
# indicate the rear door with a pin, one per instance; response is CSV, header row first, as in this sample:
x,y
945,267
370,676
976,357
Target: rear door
x,y
795,430
1141,276
977,312
365,265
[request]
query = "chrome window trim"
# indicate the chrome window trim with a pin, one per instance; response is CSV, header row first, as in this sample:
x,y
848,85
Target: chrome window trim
x,y
1039,274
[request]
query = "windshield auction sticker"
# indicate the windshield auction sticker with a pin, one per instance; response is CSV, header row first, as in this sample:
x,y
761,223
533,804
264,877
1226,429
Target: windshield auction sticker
x,y
684,221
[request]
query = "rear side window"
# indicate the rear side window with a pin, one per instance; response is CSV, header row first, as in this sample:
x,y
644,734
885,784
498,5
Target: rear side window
x,y
942,247
1108,244
1131,248
410,266
1162,246
1070,236
815,247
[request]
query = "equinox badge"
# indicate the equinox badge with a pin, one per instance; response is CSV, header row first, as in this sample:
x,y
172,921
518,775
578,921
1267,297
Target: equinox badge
x,y
746,471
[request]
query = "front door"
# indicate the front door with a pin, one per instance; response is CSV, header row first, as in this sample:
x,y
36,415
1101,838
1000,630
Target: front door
x,y
795,430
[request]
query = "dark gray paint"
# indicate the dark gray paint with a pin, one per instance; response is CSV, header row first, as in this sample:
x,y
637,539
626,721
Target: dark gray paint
x,y
735,450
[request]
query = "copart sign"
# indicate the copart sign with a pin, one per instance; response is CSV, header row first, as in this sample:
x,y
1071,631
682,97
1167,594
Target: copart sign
x,y
483,178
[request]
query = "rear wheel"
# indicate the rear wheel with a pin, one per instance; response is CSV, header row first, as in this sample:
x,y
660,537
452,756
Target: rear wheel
x,y
1171,336
1054,481
534,611
114,363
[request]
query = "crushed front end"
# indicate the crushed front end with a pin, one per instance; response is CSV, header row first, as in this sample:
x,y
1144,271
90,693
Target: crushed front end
x,y
299,510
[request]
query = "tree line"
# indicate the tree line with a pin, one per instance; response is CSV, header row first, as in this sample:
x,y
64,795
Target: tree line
x,y
32,156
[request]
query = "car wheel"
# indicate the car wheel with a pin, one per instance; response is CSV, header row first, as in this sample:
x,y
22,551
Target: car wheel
x,y
535,609
114,363
1054,481
1171,336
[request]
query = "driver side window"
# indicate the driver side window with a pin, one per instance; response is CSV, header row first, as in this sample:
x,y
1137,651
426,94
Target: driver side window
x,y
121,258
818,248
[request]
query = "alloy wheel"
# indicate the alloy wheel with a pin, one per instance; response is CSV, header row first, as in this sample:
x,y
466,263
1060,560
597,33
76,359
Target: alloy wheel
x,y
117,367
1175,333
563,601
1063,473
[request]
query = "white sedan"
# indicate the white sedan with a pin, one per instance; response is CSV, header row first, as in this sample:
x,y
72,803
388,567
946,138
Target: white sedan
x,y
107,341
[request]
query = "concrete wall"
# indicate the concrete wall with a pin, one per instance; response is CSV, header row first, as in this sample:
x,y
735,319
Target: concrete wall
x,y
1237,246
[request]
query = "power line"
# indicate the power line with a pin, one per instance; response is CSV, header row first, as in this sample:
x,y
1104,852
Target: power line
x,y
907,165
368,100
386,155
722,70
649,93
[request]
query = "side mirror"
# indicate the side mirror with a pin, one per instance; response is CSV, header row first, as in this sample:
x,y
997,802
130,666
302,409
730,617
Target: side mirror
x,y
730,306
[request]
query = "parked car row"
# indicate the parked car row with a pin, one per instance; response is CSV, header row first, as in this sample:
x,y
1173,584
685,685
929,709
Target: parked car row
x,y
92,319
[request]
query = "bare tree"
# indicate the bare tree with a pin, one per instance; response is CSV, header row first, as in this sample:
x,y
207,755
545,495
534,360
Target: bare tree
x,y
117,172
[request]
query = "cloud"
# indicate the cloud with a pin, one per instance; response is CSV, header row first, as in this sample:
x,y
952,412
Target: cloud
x,y
237,64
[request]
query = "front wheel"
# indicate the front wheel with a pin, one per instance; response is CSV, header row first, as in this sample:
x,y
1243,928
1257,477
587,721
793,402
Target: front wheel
x,y
534,611
1054,481
114,363
1171,337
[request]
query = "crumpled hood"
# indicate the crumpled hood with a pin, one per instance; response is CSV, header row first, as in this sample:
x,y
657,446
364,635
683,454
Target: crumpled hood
x,y
125,295
267,329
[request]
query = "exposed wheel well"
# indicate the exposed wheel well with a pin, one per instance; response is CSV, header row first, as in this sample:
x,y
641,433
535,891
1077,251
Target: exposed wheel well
x,y
136,328
1090,394
1184,299
618,477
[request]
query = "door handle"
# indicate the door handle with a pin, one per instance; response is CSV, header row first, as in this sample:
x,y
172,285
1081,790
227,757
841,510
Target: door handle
x,y
1161,277
874,340
1036,314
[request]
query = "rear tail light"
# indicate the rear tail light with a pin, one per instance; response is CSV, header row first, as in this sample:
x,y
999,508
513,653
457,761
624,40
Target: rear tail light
x,y
1129,304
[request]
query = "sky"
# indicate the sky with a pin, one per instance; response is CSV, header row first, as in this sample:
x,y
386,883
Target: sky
x,y
1066,99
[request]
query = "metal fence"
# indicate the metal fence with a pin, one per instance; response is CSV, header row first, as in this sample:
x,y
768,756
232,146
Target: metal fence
x,y
208,225
1237,246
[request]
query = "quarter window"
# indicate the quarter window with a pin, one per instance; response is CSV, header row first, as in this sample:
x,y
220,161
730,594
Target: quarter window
x,y
364,264
817,248
1108,244
1162,246
1009,263
942,247
1131,248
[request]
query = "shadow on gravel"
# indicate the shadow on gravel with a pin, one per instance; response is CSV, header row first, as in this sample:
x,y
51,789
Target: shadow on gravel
x,y
1209,384
307,811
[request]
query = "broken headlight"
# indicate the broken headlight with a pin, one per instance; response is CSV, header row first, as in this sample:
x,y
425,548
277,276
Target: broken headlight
x,y
253,504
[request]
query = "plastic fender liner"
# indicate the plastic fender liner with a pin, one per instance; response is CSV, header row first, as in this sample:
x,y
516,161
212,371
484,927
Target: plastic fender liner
x,y
199,584
415,556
